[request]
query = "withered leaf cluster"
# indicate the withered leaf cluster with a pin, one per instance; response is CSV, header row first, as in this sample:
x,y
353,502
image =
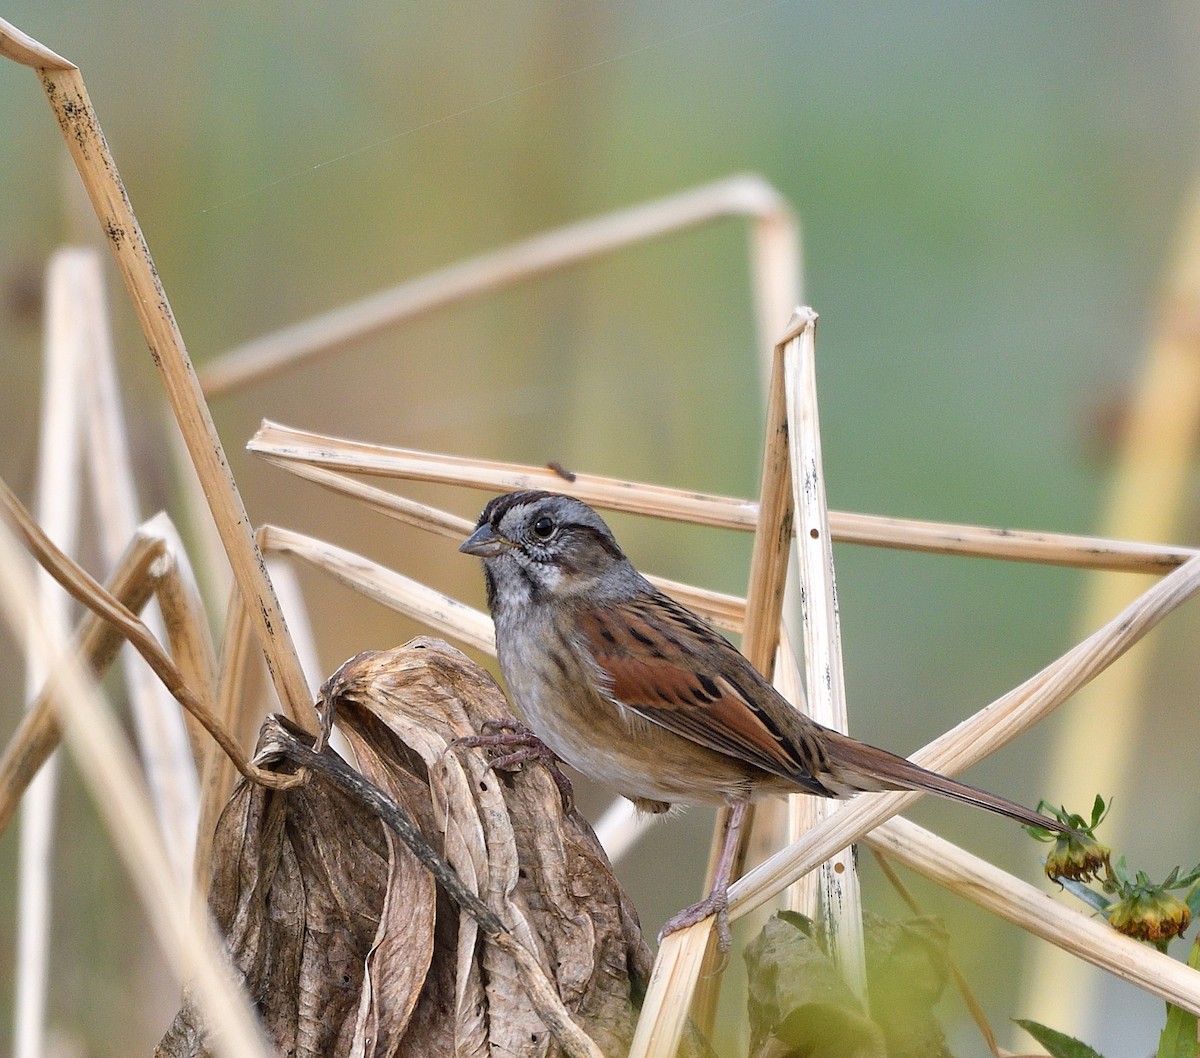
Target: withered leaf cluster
x,y
344,940
800,1007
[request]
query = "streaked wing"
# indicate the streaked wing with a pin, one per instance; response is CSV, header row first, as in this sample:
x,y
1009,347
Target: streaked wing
x,y
663,663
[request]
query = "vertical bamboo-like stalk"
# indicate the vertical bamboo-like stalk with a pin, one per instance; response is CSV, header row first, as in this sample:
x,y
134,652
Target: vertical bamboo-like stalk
x,y
57,510
68,97
163,742
764,610
185,622
773,536
776,278
291,598
777,282
681,958
677,968
108,768
801,815
1151,485
841,907
216,769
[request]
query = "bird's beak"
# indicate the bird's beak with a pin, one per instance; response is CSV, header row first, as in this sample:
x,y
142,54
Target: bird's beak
x,y
485,542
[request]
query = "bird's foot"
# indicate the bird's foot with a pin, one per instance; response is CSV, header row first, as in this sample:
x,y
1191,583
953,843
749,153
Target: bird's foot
x,y
503,731
523,746
716,903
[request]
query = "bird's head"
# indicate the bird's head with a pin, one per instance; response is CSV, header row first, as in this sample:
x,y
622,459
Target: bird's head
x,y
542,546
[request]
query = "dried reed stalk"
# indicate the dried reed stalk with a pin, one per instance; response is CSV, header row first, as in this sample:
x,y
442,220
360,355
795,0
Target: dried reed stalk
x,y
1049,549
440,612
294,449
775,275
57,498
763,614
111,774
773,533
283,444
725,611
408,512
68,97
287,586
185,623
1068,929
162,734
825,681
216,769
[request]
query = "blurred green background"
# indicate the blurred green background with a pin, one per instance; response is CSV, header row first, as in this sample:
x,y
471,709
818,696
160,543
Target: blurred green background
x,y
988,195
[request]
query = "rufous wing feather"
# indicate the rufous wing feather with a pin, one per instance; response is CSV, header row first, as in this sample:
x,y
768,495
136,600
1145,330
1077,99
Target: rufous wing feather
x,y
662,662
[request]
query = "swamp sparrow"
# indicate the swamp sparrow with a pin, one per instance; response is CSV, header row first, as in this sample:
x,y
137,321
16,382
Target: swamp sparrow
x,y
637,692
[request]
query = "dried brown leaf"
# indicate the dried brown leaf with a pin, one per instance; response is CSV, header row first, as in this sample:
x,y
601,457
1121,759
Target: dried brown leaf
x,y
344,939
307,887
510,838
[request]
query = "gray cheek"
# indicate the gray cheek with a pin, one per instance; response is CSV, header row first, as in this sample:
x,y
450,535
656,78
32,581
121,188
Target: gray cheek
x,y
528,579
548,576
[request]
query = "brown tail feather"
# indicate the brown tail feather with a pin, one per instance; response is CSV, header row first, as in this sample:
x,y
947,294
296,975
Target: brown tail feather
x,y
859,766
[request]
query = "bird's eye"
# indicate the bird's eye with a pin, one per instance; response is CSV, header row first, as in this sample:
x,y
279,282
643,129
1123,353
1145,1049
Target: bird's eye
x,y
543,528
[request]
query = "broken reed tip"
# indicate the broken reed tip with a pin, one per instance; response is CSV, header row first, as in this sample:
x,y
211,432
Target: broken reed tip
x,y
23,49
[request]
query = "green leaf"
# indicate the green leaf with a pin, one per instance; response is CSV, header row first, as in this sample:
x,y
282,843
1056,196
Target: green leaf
x,y
1120,873
1059,1044
1178,1037
1099,808
1193,902
1188,879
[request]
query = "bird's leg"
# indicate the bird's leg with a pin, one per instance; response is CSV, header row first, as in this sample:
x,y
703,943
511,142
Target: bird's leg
x,y
503,731
717,901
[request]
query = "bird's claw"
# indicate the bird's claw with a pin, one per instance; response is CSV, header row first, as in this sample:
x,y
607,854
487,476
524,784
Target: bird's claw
x,y
503,732
716,903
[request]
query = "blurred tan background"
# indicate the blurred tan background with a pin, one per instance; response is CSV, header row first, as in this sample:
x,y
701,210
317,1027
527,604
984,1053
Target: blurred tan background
x,y
989,198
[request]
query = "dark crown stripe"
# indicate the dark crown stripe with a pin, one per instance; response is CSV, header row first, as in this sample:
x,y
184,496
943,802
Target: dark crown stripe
x,y
498,507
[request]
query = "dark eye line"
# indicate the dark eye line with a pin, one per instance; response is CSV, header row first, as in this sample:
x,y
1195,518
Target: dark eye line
x,y
602,538
563,528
